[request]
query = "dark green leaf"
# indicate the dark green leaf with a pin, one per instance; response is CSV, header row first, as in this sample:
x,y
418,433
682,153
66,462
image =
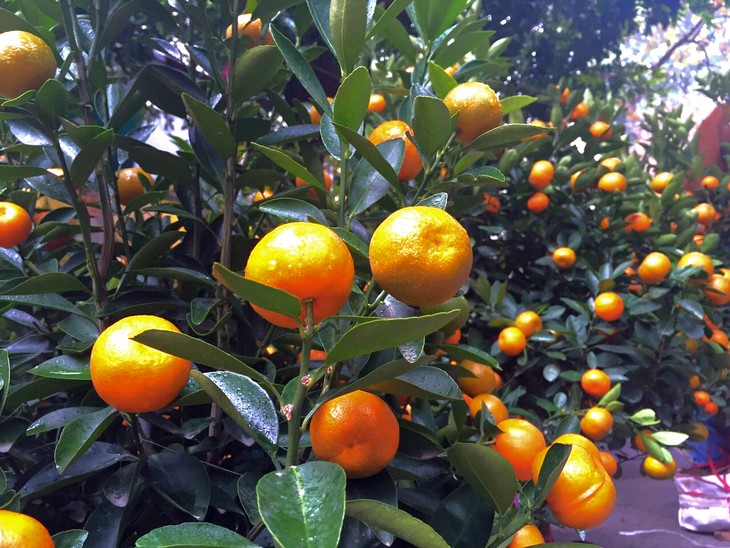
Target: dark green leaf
x,y
351,102
555,459
368,151
254,70
52,282
291,209
79,435
348,27
504,135
193,535
424,382
63,367
693,307
13,173
441,81
431,124
516,102
73,538
211,125
4,377
52,102
289,164
368,185
463,518
89,157
182,480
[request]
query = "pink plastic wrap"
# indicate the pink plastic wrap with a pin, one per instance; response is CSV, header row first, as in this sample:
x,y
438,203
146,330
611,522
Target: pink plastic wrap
x,y
704,500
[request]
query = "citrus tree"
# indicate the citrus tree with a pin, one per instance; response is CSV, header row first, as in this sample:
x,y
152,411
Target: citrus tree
x,y
256,338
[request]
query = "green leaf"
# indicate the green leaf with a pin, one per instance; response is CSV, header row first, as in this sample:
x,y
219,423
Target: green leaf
x,y
10,21
611,396
79,435
50,301
211,125
463,518
52,282
193,535
320,11
670,438
348,27
245,402
461,352
380,515
58,419
353,96
304,505
368,186
115,23
431,124
289,164
693,307
486,471
266,297
370,152
441,81
13,173
291,209
644,417
389,16
4,377
63,367
182,480
254,70
73,538
504,135
515,102
425,382
52,102
555,459
382,333
89,156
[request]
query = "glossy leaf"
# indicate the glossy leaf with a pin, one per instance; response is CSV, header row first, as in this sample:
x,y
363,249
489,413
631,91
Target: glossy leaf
x,y
555,459
290,165
89,157
63,367
516,102
182,480
254,70
423,382
504,135
291,209
463,518
211,125
73,538
4,377
431,124
348,27
12,173
351,102
368,151
51,282
79,435
193,535
52,102
368,185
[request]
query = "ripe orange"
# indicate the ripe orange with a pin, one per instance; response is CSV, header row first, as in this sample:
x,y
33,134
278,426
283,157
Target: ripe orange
x,y
660,181
577,439
131,376
609,462
705,213
564,96
22,531
529,323
527,535
721,338
596,423
129,183
263,194
498,383
712,408
541,174
420,255
307,260
601,130
639,440
358,431
605,223
395,129
608,306
595,383
299,182
654,268
376,103
511,341
580,110
657,470
15,224
538,202
612,182
478,107
483,381
564,257
610,163
702,398
451,69
694,382
583,495
519,443
710,182
638,222
574,177
492,203
28,59
695,258
251,29
493,403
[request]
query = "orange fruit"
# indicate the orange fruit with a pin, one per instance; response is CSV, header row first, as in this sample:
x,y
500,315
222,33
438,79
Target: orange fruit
x,y
536,123
314,116
660,181
395,129
492,203
695,258
376,103
694,382
527,535
605,223
638,222
639,440
28,58
698,239
564,257
498,383
702,398
538,202
251,29
358,431
710,182
712,408
577,439
307,260
314,356
529,323
720,284
420,255
610,163
608,306
574,177
263,194
595,383
654,268
133,377
583,496
451,69
657,470
596,423
720,337
580,110
519,443
299,182
609,462
493,403
601,130
564,96
541,174
129,183
454,338
478,107
15,224
705,213
482,382
511,341
22,531
691,345
612,182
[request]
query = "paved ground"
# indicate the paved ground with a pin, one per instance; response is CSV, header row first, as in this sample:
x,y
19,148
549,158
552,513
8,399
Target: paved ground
x,y
645,516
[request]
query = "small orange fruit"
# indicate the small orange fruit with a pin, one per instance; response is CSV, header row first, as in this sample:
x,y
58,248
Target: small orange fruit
x,y
28,58
129,183
481,383
492,203
527,535
307,260
314,116
451,69
133,377
529,323
694,382
695,258
609,462
601,130
610,163
358,431
263,194
574,177
608,306
511,341
596,423
705,213
536,123
595,383
612,182
299,182
580,110
702,398
395,129
454,338
538,202
493,403
478,107
638,222
23,531
250,29
654,268
710,182
657,470
15,224
564,257
376,103
660,181
711,408
605,223
691,345
639,439
720,286
519,443
564,96
541,174
720,337
421,255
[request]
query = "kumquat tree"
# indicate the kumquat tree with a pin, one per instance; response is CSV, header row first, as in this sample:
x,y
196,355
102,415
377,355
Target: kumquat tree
x,y
356,295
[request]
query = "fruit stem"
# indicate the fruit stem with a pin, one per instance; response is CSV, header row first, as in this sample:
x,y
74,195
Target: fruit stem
x,y
294,426
141,452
